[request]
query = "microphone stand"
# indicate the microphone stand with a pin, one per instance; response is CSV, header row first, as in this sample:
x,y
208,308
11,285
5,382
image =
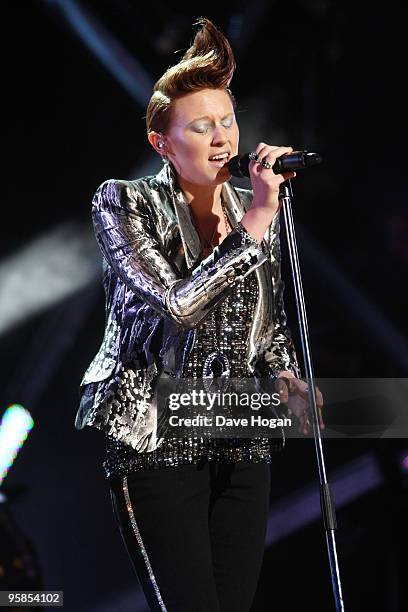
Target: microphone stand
x,y
326,501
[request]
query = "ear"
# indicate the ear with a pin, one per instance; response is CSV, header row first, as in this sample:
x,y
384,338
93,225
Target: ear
x,y
158,142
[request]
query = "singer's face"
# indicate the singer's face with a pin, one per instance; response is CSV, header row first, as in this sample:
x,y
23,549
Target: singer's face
x,y
202,125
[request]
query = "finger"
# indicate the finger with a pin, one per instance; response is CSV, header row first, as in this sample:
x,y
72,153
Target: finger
x,y
299,387
303,391
291,385
305,426
322,425
273,151
308,424
292,382
282,388
255,166
308,419
271,154
268,153
263,149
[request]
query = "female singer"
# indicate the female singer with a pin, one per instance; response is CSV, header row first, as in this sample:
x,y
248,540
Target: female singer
x,y
193,286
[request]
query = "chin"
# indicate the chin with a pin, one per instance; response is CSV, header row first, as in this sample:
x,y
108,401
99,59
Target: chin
x,y
222,175
212,179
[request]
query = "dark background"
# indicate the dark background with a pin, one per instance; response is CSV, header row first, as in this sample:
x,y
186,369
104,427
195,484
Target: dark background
x,y
318,75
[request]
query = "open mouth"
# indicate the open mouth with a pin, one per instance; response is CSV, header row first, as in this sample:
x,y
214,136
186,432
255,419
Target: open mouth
x,y
219,160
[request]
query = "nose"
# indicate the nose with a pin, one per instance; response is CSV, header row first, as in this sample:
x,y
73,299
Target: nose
x,y
219,135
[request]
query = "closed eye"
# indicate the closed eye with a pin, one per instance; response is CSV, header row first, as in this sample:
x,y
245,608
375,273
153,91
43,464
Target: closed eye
x,y
202,128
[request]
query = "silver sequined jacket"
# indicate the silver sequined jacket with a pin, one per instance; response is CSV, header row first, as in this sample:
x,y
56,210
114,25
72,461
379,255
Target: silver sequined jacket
x,y
158,290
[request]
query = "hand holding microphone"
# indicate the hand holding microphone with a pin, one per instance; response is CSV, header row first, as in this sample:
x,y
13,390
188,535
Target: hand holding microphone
x,y
239,165
268,166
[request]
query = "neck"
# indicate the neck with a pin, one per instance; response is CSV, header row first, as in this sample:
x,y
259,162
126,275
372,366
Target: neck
x,y
202,200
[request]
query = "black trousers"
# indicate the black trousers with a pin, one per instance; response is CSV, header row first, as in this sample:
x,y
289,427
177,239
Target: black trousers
x,y
195,533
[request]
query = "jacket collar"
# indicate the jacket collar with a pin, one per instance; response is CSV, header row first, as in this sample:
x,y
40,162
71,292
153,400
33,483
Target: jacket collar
x,y
189,236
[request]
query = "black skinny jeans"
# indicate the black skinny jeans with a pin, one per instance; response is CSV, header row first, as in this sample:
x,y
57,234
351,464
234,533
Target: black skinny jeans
x,y
195,533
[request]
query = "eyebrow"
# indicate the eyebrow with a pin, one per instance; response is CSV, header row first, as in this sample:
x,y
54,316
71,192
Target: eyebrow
x,y
209,118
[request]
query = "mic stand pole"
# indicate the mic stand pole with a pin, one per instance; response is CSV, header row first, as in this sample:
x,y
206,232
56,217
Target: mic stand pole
x,y
326,502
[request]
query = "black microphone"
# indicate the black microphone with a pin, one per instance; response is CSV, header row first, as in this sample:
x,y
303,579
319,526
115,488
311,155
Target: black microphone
x,y
239,165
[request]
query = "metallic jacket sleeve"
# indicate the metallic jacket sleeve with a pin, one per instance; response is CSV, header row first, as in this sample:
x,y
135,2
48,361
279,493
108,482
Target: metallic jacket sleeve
x,y
123,230
281,354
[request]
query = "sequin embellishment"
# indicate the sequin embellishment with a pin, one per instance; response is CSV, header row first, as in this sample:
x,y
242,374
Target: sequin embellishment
x,y
224,331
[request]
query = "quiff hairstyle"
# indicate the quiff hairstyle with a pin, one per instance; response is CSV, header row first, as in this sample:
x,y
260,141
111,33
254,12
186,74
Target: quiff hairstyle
x,y
208,64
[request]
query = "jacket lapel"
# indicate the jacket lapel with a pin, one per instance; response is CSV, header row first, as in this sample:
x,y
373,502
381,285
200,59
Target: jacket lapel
x,y
189,237
188,233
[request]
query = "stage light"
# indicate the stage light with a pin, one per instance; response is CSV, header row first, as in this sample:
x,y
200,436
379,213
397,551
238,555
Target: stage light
x,y
46,271
14,429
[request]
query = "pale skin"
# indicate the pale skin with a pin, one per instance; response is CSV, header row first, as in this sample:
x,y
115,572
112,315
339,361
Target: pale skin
x,y
202,125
